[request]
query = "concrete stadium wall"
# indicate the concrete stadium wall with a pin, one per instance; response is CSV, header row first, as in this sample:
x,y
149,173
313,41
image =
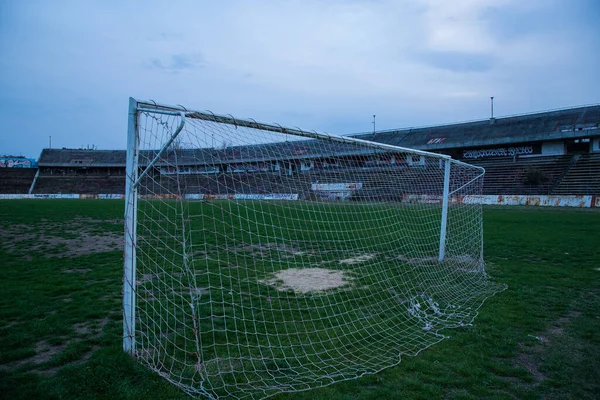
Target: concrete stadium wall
x,y
60,196
271,196
511,200
542,201
500,200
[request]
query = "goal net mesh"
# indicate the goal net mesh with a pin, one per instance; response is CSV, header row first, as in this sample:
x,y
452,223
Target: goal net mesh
x,y
269,262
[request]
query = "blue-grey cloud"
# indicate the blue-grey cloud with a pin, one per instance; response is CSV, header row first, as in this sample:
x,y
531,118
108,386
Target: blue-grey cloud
x,y
516,23
164,36
68,67
458,62
178,63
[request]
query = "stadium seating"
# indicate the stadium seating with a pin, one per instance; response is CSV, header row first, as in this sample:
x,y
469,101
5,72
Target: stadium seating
x,y
102,171
565,174
510,176
16,180
83,184
376,185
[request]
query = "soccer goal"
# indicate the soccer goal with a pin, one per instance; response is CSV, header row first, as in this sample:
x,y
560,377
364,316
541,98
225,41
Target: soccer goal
x,y
262,259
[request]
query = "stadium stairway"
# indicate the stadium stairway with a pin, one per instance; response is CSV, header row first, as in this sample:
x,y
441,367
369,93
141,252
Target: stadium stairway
x,y
583,178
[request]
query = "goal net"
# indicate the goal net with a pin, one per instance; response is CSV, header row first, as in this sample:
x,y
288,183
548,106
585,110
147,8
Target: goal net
x,y
261,259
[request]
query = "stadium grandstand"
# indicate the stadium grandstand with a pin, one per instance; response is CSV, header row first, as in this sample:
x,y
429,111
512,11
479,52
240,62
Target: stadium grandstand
x,y
547,153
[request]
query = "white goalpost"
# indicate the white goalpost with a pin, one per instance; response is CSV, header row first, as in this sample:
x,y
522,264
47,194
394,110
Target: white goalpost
x,y
262,259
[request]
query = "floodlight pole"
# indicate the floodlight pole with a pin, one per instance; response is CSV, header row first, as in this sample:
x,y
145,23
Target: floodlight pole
x,y
444,221
130,231
374,124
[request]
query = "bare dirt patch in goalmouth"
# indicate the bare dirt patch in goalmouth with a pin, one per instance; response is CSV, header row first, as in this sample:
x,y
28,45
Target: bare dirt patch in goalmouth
x,y
307,280
358,259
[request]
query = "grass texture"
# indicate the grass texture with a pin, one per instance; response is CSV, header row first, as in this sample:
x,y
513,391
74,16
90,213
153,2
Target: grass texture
x,y
61,326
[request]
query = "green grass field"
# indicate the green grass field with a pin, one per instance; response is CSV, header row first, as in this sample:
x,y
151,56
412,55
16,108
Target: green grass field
x,y
60,319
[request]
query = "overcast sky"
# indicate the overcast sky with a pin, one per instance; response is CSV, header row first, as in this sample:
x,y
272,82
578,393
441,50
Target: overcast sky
x,y
67,68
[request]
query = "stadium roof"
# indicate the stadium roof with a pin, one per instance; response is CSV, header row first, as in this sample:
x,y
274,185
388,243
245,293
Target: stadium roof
x,y
239,154
550,125
81,158
576,122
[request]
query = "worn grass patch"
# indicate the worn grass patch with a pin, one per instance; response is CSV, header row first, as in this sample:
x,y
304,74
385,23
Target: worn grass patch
x,y
60,315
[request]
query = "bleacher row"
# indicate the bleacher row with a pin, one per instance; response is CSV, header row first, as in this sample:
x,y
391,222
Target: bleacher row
x,y
564,175
16,180
375,184
577,174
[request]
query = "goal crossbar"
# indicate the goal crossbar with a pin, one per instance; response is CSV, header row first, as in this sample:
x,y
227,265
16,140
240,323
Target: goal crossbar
x,y
247,123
